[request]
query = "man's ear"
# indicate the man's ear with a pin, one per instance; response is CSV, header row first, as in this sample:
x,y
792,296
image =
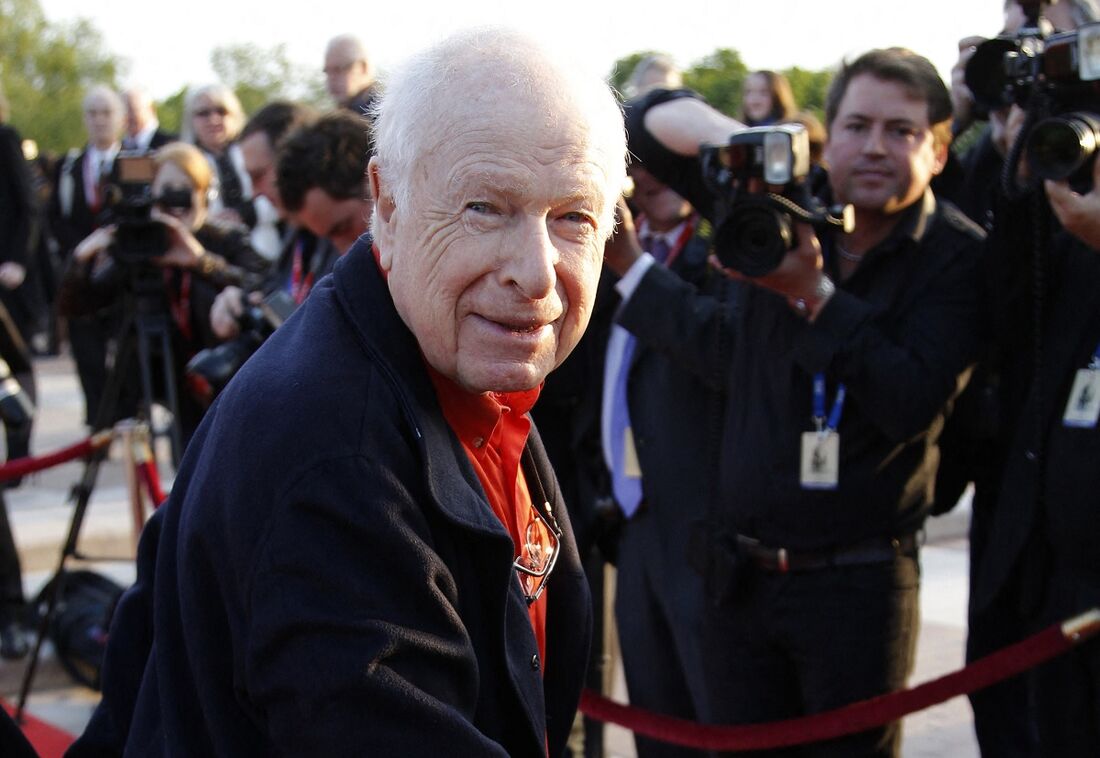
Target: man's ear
x,y
383,214
941,150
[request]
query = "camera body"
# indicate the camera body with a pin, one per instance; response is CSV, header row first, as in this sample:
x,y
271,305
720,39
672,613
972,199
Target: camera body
x,y
760,188
210,370
1056,78
130,201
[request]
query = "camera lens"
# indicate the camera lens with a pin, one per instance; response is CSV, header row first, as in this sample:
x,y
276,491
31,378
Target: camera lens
x,y
753,239
1059,146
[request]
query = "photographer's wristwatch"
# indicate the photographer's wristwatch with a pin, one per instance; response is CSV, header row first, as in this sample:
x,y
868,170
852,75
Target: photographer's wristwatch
x,y
809,308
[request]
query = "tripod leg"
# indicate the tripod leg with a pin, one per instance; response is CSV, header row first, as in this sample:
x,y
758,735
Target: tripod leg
x,y
108,406
158,328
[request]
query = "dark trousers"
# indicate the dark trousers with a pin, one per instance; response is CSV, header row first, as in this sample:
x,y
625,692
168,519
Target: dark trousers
x,y
88,336
791,644
1004,714
658,610
11,575
1067,688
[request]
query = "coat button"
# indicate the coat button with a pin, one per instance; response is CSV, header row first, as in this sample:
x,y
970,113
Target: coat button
x,y
535,664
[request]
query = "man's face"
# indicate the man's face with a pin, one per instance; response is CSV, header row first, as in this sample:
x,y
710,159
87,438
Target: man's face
x,y
494,262
102,120
138,113
662,207
880,151
344,75
341,222
259,162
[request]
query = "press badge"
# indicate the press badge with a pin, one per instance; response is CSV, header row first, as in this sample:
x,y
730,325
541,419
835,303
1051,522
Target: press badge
x,y
1083,404
631,467
820,460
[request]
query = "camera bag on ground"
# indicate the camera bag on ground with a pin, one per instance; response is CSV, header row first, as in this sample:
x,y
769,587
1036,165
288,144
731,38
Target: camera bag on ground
x,y
78,630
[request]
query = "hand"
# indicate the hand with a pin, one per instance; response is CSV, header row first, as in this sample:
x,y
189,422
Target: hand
x,y
184,251
1079,214
12,275
94,244
962,99
798,277
227,309
622,249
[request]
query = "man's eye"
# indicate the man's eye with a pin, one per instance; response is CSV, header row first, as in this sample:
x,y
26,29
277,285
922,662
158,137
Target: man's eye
x,y
480,206
576,217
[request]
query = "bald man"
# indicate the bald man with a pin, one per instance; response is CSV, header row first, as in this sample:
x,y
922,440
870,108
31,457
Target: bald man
x,y
349,75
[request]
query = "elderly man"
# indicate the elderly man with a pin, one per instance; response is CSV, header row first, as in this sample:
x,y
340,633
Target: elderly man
x,y
365,552
349,76
75,211
143,130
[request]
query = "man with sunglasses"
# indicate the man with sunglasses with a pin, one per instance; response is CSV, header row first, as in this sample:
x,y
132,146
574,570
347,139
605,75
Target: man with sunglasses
x,y
365,551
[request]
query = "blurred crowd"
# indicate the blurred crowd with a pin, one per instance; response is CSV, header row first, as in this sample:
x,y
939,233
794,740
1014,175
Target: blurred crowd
x,y
794,358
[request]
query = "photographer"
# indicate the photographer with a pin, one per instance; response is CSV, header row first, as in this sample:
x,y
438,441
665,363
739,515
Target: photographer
x,y
840,366
198,261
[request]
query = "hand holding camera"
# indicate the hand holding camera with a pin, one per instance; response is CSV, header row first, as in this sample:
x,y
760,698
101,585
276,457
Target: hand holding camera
x,y
183,250
1078,212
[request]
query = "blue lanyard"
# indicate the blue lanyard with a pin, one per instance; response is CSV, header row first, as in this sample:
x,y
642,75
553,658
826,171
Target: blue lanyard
x,y
1095,362
838,404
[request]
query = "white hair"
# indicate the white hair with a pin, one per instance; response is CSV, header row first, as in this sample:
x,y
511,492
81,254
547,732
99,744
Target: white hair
x,y
221,95
415,102
108,93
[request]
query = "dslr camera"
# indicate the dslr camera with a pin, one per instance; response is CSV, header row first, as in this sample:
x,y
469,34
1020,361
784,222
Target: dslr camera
x,y
210,370
760,189
129,201
1056,79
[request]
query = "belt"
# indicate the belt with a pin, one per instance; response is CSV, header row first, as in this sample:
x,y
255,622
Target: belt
x,y
877,550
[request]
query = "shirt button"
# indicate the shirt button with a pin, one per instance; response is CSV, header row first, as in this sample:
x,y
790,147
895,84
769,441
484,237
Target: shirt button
x,y
1031,456
535,664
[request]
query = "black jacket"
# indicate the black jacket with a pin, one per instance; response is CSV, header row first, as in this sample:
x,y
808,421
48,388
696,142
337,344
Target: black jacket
x,y
329,578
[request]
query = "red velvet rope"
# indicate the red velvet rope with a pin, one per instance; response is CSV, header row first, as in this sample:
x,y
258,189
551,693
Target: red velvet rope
x,y
22,466
850,719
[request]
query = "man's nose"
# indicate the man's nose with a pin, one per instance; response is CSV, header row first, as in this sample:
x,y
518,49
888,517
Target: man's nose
x,y
874,143
531,263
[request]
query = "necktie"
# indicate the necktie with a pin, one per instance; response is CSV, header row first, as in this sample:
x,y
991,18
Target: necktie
x,y
658,247
627,489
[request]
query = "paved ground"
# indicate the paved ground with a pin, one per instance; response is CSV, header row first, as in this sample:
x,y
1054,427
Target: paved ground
x,y
41,514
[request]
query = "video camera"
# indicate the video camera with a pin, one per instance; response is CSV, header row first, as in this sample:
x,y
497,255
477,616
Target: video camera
x,y
210,370
760,190
1056,79
129,200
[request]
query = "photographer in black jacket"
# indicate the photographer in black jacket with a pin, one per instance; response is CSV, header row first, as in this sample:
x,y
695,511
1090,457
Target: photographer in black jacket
x,y
840,366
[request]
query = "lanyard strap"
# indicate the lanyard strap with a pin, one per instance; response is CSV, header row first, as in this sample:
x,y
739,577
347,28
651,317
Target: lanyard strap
x,y
838,405
1095,362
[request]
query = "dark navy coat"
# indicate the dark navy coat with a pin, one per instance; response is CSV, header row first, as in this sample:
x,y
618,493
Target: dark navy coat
x,y
328,577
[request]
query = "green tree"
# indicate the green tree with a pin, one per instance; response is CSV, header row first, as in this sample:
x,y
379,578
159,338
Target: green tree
x,y
45,70
719,77
260,75
810,88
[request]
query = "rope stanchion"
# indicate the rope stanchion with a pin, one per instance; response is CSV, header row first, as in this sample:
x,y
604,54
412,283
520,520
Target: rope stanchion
x,y
856,717
151,479
19,467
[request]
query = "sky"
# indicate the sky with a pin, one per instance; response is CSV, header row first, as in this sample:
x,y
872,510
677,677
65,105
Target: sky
x,y
169,46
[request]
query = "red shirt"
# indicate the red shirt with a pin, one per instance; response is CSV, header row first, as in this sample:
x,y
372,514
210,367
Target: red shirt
x,y
493,429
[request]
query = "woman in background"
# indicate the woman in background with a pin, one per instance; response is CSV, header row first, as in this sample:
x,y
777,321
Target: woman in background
x,y
767,99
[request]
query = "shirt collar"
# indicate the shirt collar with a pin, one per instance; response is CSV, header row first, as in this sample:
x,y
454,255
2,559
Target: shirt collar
x,y
475,417
672,236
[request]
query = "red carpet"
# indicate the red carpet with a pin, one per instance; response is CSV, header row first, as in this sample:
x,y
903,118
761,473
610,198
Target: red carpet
x,y
48,740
